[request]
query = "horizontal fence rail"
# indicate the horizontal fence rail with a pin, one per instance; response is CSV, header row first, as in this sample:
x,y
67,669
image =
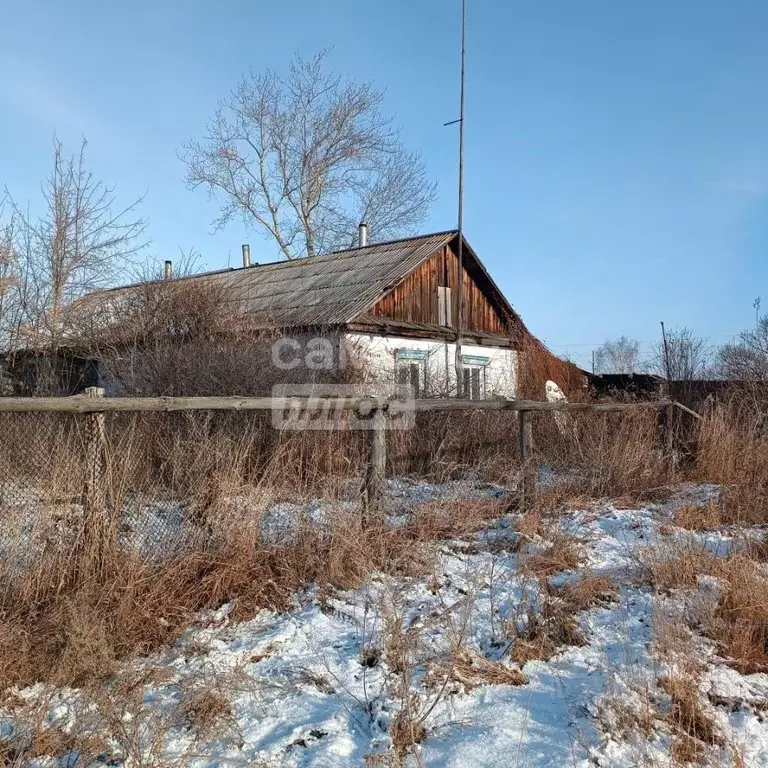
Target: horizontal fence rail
x,y
86,477
81,476
87,404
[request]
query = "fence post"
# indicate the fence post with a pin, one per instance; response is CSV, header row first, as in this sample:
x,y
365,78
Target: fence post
x,y
95,522
670,446
377,463
527,468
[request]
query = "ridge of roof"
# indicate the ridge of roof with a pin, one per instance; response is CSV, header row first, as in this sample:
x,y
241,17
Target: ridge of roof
x,y
325,289
301,261
439,233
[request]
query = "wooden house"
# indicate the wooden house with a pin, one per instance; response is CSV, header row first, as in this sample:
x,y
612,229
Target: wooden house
x,y
392,308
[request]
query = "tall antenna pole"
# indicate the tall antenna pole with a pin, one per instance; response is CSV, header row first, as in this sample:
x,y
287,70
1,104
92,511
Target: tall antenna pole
x,y
460,227
666,359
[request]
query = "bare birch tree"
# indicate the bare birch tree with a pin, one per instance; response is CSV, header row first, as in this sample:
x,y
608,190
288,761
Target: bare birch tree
x,y
8,280
14,281
618,356
746,358
80,241
686,355
306,158
7,256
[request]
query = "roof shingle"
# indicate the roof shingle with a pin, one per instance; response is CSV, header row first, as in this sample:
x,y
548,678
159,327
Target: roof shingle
x,y
330,289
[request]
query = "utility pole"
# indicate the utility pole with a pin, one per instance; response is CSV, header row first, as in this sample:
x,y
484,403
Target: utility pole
x,y
666,359
460,226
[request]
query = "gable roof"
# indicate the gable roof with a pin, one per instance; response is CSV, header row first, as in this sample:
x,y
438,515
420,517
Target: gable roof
x,y
328,289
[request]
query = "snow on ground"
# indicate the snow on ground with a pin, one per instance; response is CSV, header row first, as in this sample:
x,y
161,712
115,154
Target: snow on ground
x,y
306,688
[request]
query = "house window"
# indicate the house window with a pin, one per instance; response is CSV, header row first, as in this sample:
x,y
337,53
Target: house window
x,y
444,306
473,370
410,371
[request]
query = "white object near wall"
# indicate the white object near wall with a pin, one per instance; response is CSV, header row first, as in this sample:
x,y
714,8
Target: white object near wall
x,y
555,395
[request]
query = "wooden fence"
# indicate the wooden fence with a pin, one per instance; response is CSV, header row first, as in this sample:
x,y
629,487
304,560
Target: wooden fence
x,y
377,410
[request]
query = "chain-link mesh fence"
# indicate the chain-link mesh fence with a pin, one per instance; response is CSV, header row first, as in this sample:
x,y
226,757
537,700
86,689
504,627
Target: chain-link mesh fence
x,y
153,476
155,481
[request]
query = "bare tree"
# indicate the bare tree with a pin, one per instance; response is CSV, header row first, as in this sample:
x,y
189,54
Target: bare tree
x,y
14,281
80,242
618,356
307,158
747,358
8,276
686,355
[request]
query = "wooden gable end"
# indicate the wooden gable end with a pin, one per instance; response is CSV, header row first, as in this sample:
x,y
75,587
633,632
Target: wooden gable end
x,y
416,298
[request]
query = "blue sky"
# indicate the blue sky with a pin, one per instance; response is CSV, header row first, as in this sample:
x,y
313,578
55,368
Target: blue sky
x,y
617,152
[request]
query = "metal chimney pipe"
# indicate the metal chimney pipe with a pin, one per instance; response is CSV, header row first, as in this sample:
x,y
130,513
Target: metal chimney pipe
x,y
362,231
246,255
168,270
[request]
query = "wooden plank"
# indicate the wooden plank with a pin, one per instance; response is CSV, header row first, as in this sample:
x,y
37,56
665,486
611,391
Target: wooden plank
x,y
668,426
97,536
686,409
527,465
80,404
93,487
521,405
434,333
415,298
377,464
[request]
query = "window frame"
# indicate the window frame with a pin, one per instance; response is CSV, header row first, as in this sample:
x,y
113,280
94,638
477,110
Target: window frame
x,y
473,377
444,306
408,359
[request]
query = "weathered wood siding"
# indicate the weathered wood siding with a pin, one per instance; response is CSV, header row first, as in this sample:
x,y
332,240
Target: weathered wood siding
x,y
416,298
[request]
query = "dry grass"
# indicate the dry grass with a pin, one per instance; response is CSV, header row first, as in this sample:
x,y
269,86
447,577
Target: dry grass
x,y
587,591
544,636
756,550
621,718
59,627
685,712
50,743
736,619
406,731
694,731
444,445
471,669
130,718
425,660
739,621
547,618
698,517
733,452
600,456
71,620
670,566
455,518
37,739
532,524
205,710
79,605
562,552
547,627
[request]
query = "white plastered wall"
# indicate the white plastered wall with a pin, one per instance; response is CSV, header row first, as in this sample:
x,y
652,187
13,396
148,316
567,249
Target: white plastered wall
x,y
377,356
